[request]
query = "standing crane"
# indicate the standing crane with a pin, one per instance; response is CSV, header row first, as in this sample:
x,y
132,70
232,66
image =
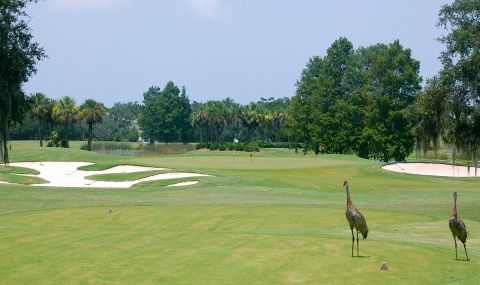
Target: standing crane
x,y
355,219
457,226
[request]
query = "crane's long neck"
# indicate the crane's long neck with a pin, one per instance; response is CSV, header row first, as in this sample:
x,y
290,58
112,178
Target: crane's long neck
x,y
349,199
454,206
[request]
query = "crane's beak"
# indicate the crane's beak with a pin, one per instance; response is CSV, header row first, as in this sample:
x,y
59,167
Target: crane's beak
x,y
345,183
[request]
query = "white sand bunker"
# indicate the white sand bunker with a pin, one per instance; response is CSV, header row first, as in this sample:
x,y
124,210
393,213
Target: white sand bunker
x,y
433,169
66,174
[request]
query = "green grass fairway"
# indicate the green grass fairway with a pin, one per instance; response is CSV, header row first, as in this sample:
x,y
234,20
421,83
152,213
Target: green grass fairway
x,y
120,177
278,219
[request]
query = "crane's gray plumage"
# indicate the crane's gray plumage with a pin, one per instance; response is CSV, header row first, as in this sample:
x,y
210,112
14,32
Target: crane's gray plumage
x,y
355,219
457,227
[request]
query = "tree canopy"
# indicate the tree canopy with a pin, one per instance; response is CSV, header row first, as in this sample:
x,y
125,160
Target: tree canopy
x,y
91,112
19,55
41,112
166,114
353,101
65,113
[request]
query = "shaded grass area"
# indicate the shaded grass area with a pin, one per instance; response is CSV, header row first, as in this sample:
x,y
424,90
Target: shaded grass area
x,y
120,177
277,219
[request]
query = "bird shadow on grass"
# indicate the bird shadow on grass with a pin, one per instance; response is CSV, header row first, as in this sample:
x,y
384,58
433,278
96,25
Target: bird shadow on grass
x,y
462,260
362,256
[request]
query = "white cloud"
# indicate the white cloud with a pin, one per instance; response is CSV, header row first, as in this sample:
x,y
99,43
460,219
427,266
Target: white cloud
x,y
81,5
210,9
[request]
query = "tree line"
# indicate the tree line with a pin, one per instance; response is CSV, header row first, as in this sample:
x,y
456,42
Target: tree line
x,y
58,120
165,115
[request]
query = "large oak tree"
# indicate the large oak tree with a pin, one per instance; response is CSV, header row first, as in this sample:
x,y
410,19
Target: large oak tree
x,y
19,55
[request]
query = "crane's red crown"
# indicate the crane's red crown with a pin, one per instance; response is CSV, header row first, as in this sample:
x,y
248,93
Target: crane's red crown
x,y
345,182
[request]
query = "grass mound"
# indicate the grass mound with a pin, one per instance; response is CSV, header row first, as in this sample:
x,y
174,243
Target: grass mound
x,y
167,182
121,177
16,175
98,166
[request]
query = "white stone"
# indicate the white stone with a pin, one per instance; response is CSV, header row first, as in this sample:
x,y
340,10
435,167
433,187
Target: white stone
x,y
384,266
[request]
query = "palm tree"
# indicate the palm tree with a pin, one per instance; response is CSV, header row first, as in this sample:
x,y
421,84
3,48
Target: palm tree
x,y
42,113
64,113
91,112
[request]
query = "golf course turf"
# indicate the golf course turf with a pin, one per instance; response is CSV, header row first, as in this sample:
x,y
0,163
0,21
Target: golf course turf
x,y
278,218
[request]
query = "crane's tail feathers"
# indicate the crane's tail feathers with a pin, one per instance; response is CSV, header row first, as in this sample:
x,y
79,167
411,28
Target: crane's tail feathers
x,y
365,235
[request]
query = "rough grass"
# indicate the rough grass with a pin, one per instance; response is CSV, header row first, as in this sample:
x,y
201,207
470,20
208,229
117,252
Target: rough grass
x,y
120,177
278,219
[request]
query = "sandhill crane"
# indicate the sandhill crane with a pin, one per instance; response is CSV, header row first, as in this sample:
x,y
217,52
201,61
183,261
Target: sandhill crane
x,y
355,218
457,226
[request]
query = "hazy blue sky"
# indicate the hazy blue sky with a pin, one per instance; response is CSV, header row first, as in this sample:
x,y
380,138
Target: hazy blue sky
x,y
113,50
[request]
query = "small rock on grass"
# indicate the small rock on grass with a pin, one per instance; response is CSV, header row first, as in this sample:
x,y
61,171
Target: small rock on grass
x,y
384,266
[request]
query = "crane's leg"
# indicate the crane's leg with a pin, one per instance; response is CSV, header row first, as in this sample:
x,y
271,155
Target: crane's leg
x,y
357,245
465,247
455,239
353,240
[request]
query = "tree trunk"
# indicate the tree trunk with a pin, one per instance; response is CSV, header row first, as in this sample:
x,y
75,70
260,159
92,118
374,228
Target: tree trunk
x,y
5,143
40,137
152,141
475,161
65,136
90,136
1,149
316,147
453,159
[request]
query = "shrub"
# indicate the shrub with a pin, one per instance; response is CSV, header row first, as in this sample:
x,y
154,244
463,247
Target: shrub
x,y
165,149
101,146
54,140
133,136
229,146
